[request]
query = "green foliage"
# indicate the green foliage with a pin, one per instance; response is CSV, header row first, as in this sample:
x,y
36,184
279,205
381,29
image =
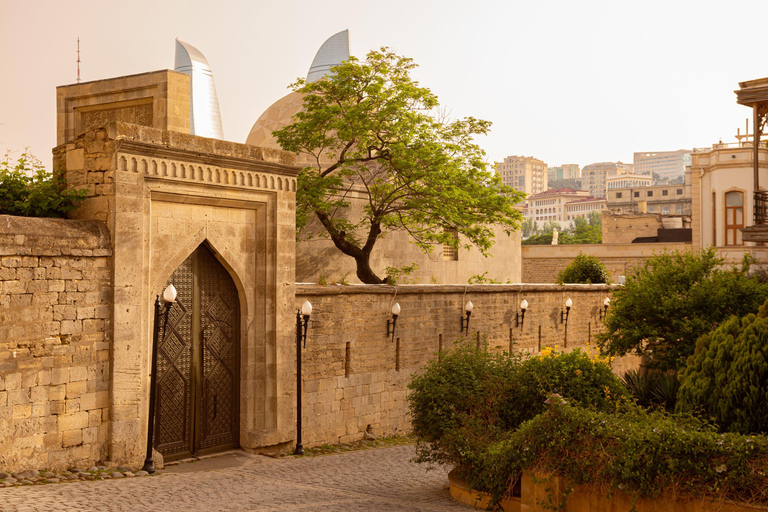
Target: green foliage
x,y
672,300
584,269
652,389
528,227
27,189
470,399
641,453
582,231
727,376
401,275
481,279
372,129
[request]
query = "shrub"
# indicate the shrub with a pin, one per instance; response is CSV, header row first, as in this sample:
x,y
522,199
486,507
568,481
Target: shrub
x,y
469,399
727,377
672,300
27,189
584,269
640,452
652,389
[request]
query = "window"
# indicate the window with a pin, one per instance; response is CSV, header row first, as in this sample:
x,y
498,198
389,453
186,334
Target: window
x,y
650,209
618,195
665,192
450,252
679,192
650,193
734,217
665,210
637,194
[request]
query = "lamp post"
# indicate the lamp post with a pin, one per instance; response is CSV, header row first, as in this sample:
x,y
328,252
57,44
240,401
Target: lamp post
x,y
302,320
564,319
169,297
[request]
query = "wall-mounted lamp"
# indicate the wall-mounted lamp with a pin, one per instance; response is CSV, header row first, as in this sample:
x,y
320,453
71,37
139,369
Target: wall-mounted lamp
x,y
391,323
465,322
564,314
302,320
520,317
604,311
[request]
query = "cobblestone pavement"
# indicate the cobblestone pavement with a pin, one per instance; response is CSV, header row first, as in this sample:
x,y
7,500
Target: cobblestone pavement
x,y
382,479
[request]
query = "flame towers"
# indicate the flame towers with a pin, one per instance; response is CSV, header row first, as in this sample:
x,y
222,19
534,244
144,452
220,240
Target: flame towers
x,y
205,117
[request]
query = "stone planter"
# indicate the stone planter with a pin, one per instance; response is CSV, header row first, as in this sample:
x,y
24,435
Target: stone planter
x,y
461,492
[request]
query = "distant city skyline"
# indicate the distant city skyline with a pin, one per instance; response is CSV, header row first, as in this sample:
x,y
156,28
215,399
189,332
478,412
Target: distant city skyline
x,y
587,82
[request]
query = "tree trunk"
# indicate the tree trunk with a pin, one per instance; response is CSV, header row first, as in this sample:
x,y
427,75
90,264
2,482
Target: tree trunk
x,y
364,271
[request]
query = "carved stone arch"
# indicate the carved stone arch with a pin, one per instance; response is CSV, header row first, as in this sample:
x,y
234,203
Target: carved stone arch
x,y
217,174
272,182
144,167
164,168
134,165
122,164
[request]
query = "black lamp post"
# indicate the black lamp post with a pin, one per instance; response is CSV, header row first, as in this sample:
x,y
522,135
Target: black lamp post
x,y
169,297
302,320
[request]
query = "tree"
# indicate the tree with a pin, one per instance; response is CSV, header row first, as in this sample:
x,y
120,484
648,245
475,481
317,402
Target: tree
x,y
673,299
727,377
585,269
529,227
27,189
370,129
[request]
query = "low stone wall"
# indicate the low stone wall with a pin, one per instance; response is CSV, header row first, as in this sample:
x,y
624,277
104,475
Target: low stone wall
x,y
54,355
355,376
542,263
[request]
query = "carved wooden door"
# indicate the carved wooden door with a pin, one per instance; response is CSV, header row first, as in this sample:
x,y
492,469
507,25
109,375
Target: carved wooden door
x,y
198,362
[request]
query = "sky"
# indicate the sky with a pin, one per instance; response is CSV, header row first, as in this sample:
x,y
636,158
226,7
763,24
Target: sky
x,y
562,80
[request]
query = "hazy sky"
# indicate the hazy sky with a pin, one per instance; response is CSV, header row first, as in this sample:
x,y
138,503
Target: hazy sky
x,y
562,80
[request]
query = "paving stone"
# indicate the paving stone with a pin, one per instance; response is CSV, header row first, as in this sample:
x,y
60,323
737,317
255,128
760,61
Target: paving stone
x,y
48,474
141,472
375,480
4,475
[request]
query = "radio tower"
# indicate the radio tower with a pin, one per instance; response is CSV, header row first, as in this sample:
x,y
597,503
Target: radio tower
x,y
78,60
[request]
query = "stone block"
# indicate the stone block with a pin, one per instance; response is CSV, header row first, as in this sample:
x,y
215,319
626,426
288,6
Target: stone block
x,y
75,389
41,409
71,326
39,394
60,375
78,373
73,421
12,381
71,438
22,411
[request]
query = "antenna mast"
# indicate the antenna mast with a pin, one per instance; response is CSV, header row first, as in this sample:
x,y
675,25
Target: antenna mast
x,y
78,60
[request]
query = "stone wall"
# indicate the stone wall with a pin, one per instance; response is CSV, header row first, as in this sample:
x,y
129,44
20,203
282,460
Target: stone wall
x,y
54,353
355,376
542,263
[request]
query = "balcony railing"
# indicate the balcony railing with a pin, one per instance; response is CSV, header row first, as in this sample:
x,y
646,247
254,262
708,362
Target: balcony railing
x,y
761,207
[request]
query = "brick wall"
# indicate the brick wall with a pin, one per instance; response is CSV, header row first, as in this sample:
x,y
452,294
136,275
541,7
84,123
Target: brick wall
x,y
354,376
54,354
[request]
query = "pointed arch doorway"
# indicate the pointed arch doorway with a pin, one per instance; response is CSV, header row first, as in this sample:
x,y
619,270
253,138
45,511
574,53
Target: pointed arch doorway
x,y
198,362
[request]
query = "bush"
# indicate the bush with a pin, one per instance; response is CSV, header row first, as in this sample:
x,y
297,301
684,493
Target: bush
x,y
672,300
584,269
652,389
470,399
727,377
640,452
27,189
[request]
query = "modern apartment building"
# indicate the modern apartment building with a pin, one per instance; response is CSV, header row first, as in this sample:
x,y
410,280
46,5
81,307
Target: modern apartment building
x,y
593,176
524,173
667,165
564,172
